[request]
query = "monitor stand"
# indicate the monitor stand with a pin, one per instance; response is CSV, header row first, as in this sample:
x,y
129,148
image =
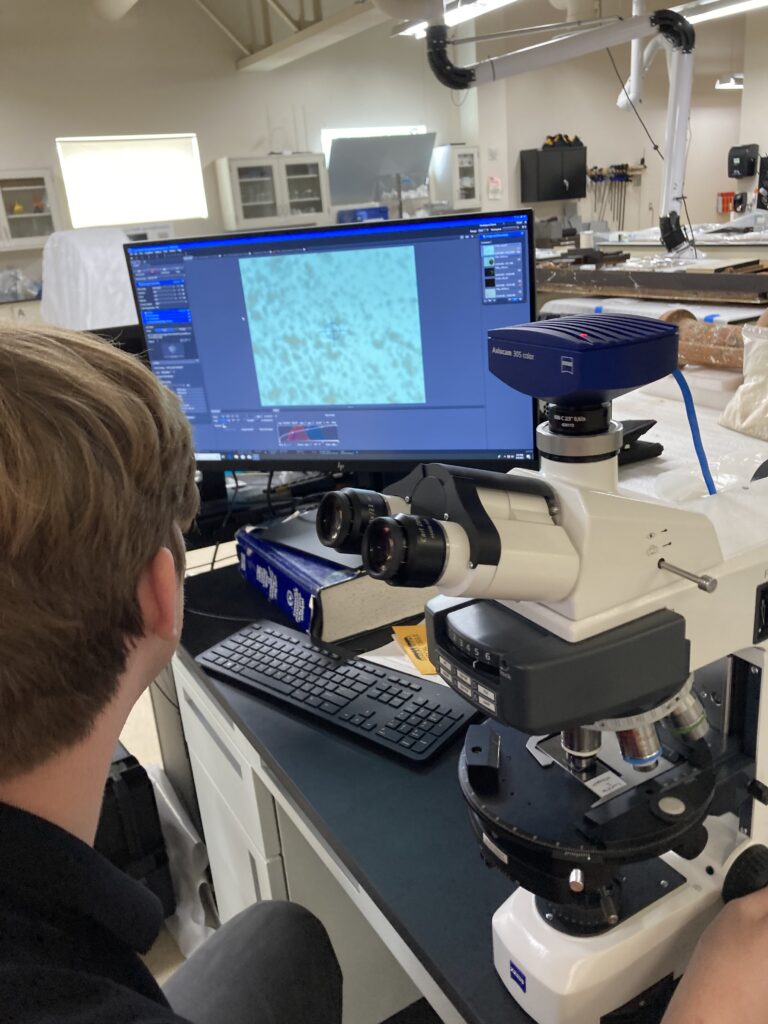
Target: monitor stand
x,y
213,485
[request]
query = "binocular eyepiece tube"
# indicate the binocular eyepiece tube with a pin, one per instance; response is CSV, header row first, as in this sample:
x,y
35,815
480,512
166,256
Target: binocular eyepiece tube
x,y
402,549
344,516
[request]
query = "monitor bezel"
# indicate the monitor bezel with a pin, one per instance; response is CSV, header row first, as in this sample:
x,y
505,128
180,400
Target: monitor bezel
x,y
363,464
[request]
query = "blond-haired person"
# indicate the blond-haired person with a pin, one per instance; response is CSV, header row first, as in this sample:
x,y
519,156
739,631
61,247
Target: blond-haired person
x,y
96,490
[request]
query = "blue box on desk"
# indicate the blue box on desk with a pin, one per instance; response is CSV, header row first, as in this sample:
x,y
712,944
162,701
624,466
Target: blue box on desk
x,y
288,578
320,591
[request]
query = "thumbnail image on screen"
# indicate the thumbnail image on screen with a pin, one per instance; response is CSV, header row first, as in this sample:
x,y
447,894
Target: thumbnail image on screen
x,y
346,341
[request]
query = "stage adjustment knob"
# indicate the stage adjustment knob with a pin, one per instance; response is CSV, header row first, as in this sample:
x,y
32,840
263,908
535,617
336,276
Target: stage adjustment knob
x,y
748,873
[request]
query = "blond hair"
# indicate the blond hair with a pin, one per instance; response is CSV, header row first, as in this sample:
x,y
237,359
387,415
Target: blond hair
x,y
96,475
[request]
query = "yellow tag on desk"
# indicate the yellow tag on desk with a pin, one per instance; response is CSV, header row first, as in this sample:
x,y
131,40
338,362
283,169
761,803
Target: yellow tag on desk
x,y
413,640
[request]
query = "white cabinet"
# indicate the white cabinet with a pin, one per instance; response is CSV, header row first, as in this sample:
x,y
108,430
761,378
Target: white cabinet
x,y
28,209
455,177
237,810
268,192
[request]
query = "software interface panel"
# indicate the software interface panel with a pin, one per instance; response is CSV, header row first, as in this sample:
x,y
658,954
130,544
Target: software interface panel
x,y
363,344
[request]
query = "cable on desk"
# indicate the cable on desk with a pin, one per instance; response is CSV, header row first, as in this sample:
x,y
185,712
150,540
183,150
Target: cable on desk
x,y
224,618
695,431
268,493
226,519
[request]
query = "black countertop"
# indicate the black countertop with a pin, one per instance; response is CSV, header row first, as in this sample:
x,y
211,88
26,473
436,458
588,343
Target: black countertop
x,y
401,831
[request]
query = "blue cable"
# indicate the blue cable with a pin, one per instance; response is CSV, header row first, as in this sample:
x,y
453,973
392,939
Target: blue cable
x,y
695,432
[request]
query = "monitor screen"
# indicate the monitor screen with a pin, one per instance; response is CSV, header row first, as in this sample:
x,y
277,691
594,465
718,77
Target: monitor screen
x,y
363,346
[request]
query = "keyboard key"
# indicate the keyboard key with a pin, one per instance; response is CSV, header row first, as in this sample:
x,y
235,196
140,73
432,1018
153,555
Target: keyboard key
x,y
417,733
330,709
419,701
357,720
344,691
314,702
388,734
441,728
369,724
336,700
407,742
431,705
403,716
421,745
367,714
271,684
375,692
434,717
345,716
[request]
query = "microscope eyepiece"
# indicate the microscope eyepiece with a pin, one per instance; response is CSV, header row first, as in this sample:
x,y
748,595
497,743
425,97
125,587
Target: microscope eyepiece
x,y
405,550
343,516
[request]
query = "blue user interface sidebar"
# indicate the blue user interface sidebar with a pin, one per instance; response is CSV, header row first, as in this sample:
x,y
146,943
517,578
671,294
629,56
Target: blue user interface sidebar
x,y
364,344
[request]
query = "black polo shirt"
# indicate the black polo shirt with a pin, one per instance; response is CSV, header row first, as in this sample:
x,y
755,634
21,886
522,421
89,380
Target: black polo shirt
x,y
71,925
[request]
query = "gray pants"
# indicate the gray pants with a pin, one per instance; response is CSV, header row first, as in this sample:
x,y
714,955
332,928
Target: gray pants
x,y
272,964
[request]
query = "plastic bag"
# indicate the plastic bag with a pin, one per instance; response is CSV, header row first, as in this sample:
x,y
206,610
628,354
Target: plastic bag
x,y
747,411
195,918
85,280
16,286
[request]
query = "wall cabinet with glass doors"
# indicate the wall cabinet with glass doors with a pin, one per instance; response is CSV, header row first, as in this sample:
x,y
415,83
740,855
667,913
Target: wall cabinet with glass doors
x,y
28,211
275,191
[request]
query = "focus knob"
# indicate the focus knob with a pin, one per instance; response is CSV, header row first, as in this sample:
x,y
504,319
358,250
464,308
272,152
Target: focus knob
x,y
748,873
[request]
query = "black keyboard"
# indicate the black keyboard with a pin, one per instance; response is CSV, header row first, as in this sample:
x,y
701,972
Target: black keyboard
x,y
405,715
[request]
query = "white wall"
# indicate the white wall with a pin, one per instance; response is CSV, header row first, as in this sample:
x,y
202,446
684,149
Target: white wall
x,y
754,118
166,68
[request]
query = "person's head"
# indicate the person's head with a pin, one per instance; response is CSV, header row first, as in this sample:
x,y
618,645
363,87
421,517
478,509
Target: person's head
x,y
96,487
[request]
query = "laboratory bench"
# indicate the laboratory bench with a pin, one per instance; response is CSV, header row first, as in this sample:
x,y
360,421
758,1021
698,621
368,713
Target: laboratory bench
x,y
381,851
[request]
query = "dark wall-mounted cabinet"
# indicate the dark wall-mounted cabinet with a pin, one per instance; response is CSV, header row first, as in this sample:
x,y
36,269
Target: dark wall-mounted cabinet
x,y
556,173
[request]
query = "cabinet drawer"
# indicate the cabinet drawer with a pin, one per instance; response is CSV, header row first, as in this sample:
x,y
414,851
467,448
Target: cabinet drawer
x,y
241,875
213,744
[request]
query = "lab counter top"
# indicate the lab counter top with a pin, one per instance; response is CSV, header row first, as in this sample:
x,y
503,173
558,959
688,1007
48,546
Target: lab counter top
x,y
402,833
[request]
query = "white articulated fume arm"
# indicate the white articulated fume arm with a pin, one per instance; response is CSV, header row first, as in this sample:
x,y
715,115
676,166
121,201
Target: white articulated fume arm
x,y
678,37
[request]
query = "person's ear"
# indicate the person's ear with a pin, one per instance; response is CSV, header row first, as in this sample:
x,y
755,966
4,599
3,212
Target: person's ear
x,y
158,597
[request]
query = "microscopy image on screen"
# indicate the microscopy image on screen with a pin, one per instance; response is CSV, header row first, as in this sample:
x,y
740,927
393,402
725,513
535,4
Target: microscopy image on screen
x,y
353,339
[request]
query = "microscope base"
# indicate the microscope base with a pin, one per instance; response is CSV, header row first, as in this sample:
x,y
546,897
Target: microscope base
x,y
563,979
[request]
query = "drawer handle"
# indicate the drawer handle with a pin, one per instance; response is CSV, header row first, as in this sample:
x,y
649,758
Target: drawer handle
x,y
212,733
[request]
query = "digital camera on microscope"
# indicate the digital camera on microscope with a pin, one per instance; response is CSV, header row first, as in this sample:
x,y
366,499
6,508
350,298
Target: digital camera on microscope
x,y
617,647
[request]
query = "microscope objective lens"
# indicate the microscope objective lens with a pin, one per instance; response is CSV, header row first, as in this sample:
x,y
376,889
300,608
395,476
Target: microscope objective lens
x,y
640,747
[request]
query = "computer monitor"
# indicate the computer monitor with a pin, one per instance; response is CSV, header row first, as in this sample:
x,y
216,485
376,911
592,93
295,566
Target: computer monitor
x,y
362,347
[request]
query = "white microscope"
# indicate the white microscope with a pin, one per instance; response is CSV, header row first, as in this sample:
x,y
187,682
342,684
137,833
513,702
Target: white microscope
x,y
617,647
